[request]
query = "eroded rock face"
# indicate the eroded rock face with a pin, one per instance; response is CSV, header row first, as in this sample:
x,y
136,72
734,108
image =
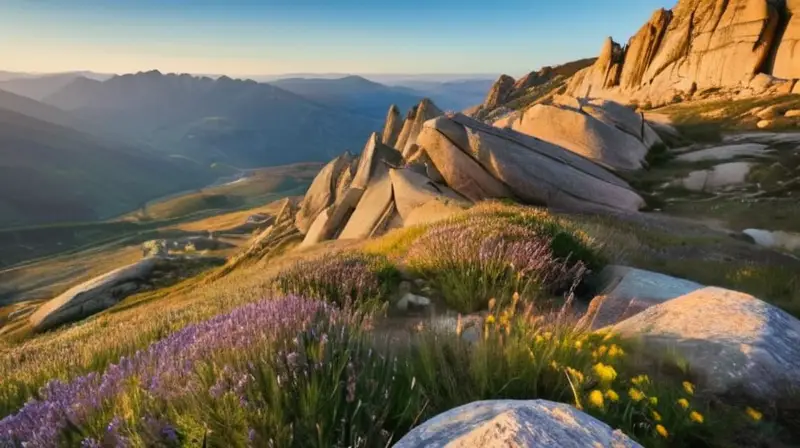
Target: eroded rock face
x,y
511,423
499,92
533,170
735,341
699,44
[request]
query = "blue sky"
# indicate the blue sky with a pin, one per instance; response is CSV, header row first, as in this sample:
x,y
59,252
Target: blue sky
x,y
238,37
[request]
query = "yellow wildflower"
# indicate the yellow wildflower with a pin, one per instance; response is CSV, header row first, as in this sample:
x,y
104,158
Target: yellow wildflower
x,y
604,373
490,319
636,394
554,365
596,398
611,395
547,335
696,417
684,403
755,415
688,387
578,344
662,431
539,339
656,416
615,351
654,401
608,336
602,350
577,375
641,379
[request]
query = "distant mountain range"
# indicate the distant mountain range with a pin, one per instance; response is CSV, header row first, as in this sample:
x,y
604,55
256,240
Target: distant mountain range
x,y
51,173
84,146
240,123
352,93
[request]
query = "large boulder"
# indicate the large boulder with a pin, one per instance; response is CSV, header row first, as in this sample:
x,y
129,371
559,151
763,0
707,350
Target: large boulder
x,y
531,169
372,207
512,423
322,191
623,118
461,172
412,126
626,291
583,134
734,341
93,296
413,190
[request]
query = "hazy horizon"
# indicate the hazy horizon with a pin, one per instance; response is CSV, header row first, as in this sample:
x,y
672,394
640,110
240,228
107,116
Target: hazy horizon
x,y
249,39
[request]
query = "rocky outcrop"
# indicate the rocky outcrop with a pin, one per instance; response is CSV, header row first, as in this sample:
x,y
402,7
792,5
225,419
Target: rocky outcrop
x,y
642,49
699,44
499,93
512,423
733,341
93,296
322,192
532,170
602,140
412,126
392,126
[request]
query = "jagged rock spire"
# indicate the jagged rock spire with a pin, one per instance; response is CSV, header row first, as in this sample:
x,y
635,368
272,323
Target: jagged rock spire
x,y
499,92
392,126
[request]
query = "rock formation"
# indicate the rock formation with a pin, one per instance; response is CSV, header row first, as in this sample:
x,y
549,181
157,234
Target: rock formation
x,y
418,115
322,191
700,44
499,92
392,127
455,160
515,423
733,340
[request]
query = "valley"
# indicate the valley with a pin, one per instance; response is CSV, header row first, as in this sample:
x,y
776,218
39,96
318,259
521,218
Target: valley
x,y
601,252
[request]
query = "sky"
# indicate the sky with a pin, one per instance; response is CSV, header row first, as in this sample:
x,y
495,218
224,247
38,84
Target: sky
x,y
264,37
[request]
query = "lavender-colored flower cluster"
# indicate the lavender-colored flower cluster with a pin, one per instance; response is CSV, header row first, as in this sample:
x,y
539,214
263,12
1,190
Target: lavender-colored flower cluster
x,y
344,278
164,369
482,256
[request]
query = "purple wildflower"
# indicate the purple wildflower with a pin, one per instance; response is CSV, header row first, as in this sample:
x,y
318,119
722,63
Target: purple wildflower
x,y
165,369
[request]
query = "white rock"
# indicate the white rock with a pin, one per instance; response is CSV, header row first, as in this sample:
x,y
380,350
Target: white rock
x,y
512,423
777,239
732,340
724,152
